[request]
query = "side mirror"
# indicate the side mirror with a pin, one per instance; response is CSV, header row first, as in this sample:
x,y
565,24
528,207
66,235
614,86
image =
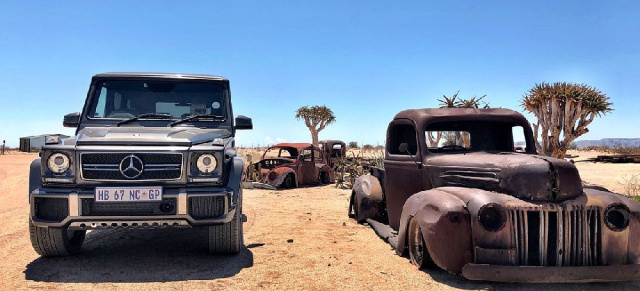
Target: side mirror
x,y
243,122
404,147
71,120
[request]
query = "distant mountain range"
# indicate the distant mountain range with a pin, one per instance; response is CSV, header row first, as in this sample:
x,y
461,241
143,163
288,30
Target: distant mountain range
x,y
609,142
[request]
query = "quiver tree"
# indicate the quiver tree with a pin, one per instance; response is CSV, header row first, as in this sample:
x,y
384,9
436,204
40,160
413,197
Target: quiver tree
x,y
316,118
563,111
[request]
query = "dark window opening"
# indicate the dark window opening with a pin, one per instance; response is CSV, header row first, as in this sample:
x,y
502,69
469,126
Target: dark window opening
x,y
402,133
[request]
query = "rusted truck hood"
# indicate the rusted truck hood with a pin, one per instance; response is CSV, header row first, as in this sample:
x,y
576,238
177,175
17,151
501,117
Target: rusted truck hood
x,y
524,176
179,136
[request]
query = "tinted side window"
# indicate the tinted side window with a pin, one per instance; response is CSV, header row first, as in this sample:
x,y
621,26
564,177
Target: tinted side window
x,y
402,133
100,108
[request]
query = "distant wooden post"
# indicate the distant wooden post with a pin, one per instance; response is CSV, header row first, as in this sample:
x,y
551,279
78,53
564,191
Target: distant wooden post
x,y
3,142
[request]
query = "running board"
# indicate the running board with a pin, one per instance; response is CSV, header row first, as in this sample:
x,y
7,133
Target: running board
x,y
385,232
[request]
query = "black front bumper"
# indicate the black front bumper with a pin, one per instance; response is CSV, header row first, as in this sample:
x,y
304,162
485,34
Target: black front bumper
x,y
74,209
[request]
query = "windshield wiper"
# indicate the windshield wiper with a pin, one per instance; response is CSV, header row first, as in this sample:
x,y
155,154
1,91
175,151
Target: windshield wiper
x,y
146,116
196,117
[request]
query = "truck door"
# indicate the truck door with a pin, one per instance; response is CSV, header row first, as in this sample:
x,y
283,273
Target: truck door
x,y
403,173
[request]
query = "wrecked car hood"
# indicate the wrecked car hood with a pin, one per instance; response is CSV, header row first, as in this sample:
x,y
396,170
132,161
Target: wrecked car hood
x,y
523,176
179,136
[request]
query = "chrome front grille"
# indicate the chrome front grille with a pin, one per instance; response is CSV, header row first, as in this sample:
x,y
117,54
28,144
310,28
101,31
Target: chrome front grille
x,y
556,236
106,166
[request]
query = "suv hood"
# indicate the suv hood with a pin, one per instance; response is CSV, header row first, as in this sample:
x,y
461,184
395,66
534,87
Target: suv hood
x,y
522,176
179,136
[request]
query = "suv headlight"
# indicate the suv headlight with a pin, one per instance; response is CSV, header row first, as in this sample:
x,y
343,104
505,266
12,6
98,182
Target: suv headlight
x,y
206,163
58,163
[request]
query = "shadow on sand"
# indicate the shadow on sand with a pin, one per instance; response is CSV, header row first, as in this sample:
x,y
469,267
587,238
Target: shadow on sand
x,y
460,282
123,255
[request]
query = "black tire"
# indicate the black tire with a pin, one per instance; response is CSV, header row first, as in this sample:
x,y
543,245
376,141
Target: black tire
x,y
418,254
356,209
351,208
288,182
55,242
228,238
324,178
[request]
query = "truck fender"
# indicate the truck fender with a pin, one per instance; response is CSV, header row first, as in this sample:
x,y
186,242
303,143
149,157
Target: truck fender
x,y
366,198
236,175
35,175
445,225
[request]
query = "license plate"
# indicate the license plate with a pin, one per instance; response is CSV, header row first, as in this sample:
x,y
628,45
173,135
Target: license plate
x,y
128,194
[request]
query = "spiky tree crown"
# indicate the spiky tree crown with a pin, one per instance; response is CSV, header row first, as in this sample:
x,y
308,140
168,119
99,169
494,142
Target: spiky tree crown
x,y
316,116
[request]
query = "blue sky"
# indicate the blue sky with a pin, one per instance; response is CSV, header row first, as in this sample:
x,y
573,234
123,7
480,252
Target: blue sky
x,y
366,60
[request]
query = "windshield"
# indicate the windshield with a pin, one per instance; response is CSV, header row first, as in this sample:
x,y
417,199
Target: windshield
x,y
473,136
289,153
176,99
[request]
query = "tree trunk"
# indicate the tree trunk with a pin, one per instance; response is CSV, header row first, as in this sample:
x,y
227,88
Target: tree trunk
x,y
314,136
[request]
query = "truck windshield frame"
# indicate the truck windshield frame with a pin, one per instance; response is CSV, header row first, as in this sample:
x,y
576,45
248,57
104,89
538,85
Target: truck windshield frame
x,y
472,136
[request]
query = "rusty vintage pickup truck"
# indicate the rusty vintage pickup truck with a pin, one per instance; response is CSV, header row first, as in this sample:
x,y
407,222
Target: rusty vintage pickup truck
x,y
455,193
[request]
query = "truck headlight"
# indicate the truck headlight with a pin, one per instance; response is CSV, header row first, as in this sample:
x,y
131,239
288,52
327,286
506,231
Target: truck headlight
x,y
492,217
616,217
206,163
58,163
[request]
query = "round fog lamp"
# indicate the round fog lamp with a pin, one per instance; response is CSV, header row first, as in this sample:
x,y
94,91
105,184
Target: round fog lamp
x,y
492,217
58,163
206,163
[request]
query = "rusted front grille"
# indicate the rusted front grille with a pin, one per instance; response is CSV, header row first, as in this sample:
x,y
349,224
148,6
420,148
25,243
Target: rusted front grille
x,y
557,237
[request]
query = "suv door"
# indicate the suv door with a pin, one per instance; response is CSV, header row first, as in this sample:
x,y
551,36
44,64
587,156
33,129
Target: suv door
x,y
403,175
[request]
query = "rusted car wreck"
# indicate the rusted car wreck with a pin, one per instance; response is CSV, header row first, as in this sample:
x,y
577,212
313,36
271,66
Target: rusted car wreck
x,y
332,150
456,194
288,165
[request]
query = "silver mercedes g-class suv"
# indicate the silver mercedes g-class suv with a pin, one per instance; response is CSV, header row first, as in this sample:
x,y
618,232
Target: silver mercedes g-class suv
x,y
150,151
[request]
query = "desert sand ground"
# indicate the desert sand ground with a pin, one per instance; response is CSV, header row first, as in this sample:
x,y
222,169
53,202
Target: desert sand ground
x,y
328,252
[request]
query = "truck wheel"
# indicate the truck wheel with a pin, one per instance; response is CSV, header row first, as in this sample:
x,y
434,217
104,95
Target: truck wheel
x,y
227,239
55,242
418,253
324,178
356,209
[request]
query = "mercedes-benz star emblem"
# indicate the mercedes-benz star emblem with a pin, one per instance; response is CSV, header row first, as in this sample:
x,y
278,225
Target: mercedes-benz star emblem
x,y
131,167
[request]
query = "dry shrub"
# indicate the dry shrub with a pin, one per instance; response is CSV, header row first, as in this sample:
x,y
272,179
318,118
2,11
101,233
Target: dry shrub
x,y
617,149
631,185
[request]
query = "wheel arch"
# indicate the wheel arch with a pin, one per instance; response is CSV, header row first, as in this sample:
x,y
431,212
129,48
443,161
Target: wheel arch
x,y
35,175
368,198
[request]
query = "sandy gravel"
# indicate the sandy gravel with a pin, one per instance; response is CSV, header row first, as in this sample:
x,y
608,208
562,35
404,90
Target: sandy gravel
x,y
328,252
